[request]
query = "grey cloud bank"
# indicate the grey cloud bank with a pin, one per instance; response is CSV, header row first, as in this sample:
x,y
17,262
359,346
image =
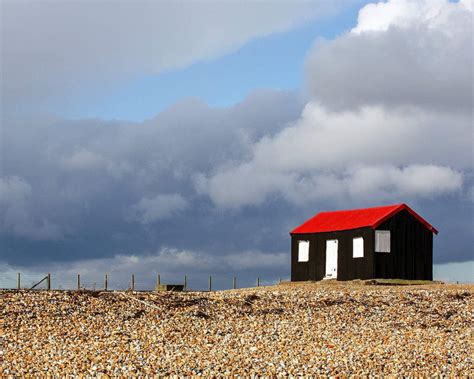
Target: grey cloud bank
x,y
216,190
116,188
160,207
50,50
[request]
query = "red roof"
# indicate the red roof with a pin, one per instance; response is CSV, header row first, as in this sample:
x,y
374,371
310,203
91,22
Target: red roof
x,y
355,218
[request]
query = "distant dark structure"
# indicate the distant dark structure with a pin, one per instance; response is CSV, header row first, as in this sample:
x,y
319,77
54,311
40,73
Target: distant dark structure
x,y
391,242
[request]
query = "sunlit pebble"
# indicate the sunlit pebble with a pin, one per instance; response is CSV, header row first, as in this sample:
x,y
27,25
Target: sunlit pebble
x,y
331,329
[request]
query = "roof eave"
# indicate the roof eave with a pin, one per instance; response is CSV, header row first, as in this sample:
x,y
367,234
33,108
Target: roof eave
x,y
332,231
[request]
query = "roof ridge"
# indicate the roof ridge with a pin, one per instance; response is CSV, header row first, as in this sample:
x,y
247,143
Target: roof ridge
x,y
360,209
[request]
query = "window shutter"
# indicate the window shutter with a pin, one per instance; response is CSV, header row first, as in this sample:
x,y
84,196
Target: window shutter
x,y
303,251
382,241
358,247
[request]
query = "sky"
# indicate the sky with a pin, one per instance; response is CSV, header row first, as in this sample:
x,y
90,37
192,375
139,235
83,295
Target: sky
x,y
190,138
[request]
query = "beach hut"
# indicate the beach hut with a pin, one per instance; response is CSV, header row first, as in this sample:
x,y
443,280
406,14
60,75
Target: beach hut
x,y
391,242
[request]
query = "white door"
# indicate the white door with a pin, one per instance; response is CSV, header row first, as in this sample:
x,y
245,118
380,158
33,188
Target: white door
x,y
331,259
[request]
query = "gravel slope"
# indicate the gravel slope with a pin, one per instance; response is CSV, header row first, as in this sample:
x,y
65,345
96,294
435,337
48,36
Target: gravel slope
x,y
328,329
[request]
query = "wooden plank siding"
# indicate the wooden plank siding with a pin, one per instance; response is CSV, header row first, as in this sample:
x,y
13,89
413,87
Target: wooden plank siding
x,y
411,250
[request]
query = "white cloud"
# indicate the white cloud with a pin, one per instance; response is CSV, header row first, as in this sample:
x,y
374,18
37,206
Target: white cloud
x,y
371,153
375,184
405,13
367,184
416,53
469,4
415,180
162,206
242,185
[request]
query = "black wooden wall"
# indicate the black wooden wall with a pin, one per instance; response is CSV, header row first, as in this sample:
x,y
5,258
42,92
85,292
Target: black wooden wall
x,y
411,249
348,268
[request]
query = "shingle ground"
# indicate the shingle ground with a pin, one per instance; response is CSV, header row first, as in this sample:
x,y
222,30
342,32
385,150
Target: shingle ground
x,y
308,329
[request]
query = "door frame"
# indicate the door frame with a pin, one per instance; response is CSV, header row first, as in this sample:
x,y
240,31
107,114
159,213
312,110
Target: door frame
x,y
326,276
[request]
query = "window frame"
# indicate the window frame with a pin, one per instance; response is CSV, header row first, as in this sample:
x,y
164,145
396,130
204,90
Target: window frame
x,y
353,242
307,251
383,233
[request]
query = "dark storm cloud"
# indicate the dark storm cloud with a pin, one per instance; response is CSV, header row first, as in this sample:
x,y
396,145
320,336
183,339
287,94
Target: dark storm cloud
x,y
89,188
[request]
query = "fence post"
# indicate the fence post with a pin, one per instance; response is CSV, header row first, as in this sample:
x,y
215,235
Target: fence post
x,y
258,281
185,282
78,281
210,283
133,282
49,281
159,280
18,281
106,282
279,280
234,283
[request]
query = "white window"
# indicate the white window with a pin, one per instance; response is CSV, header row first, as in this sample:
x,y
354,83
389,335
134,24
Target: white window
x,y
303,251
358,247
382,241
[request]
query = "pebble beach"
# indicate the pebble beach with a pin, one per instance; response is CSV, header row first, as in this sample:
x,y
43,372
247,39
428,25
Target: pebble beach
x,y
330,329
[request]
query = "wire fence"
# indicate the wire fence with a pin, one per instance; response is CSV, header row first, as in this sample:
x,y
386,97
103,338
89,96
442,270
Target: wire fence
x,y
108,282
